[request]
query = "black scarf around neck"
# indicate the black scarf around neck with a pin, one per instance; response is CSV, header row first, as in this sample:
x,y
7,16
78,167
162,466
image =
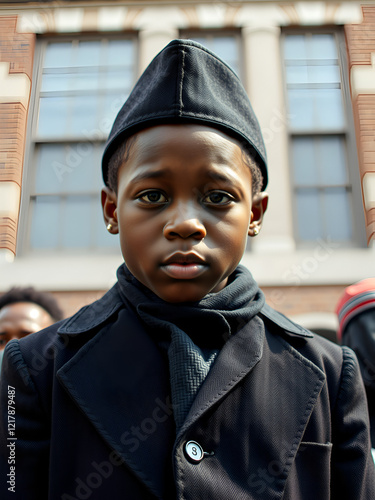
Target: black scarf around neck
x,y
209,322
194,332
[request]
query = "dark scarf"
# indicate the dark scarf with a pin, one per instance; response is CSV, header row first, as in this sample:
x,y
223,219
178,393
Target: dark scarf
x,y
194,331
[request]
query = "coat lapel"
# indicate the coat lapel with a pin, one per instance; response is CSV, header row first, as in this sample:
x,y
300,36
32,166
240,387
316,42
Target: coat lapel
x,y
272,390
236,359
120,381
282,394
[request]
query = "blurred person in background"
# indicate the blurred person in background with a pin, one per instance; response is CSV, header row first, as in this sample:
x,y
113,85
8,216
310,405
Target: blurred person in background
x,y
356,315
24,311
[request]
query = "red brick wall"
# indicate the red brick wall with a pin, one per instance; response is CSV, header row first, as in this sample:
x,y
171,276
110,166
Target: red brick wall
x,y
361,44
17,50
293,300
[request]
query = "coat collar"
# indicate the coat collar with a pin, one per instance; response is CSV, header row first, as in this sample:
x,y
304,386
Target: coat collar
x,y
93,315
284,323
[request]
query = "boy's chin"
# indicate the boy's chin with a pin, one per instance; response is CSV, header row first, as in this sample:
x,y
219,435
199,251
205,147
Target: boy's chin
x,y
186,292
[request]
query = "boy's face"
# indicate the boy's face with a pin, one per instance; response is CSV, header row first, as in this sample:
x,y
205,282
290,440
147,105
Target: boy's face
x,y
183,210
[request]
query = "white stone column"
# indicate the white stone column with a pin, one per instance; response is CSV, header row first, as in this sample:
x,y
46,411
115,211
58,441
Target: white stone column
x,y
264,80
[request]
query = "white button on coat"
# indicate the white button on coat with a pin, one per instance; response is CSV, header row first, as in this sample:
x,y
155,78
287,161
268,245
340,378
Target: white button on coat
x,y
194,451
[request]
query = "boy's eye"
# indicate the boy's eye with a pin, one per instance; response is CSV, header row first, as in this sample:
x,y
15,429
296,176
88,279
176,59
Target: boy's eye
x,y
217,198
153,197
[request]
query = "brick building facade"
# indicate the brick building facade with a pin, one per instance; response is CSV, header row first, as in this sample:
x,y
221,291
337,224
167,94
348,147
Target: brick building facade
x,y
16,66
361,50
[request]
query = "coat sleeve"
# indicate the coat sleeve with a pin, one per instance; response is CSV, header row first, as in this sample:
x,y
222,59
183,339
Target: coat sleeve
x,y
353,470
24,440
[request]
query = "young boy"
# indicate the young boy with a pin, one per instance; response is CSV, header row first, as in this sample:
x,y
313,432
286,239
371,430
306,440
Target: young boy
x,y
180,383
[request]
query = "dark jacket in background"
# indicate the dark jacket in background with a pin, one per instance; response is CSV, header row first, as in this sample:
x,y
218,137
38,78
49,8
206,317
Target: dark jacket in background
x,y
359,335
281,415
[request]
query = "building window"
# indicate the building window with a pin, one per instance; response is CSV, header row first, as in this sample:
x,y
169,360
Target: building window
x,y
322,164
80,85
227,45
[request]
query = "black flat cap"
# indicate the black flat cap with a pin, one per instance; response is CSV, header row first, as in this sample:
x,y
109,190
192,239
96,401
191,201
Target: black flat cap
x,y
187,83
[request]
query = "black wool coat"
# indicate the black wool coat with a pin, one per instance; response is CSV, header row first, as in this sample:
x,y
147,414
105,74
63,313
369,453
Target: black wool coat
x,y
281,415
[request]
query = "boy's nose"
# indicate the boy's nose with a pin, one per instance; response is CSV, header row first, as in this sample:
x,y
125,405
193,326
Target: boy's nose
x,y
184,223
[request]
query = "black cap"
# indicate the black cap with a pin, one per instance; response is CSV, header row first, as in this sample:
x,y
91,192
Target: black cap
x,y
187,83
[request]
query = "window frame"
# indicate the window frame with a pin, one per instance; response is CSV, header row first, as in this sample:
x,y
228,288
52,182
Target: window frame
x,y
32,141
347,133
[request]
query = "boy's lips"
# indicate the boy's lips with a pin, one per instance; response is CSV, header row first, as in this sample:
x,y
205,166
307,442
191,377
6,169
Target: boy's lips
x,y
184,265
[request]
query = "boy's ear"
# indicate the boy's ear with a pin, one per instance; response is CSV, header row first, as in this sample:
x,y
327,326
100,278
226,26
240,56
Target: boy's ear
x,y
109,205
259,206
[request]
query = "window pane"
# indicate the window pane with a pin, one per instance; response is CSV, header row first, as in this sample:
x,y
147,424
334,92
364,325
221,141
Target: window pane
x,y
86,81
88,54
332,161
51,169
76,222
304,161
329,112
111,104
120,79
53,116
322,46
295,47
58,55
301,109
308,215
120,52
68,168
337,215
57,82
312,74
225,47
297,74
63,82
316,108
85,114
45,223
324,74
87,168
